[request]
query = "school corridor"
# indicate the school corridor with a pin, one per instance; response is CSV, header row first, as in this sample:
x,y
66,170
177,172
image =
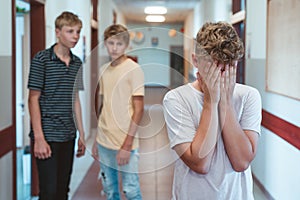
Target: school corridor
x,y
269,30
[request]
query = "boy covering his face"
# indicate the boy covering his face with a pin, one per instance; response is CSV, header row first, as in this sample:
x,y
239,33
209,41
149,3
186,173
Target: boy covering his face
x,y
214,123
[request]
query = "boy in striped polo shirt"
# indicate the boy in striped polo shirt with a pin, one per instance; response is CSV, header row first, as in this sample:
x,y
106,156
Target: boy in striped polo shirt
x,y
55,78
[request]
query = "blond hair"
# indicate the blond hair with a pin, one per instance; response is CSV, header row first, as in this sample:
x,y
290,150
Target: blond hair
x,y
67,19
118,31
220,41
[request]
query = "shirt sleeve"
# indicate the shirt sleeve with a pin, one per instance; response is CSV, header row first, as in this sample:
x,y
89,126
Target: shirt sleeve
x,y
137,81
100,87
252,112
100,79
180,126
36,73
79,79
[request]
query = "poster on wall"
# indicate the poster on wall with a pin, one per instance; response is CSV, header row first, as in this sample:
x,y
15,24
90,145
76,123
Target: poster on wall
x,y
283,47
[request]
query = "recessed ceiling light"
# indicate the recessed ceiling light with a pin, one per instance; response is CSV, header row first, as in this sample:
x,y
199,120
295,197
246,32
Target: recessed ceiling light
x,y
155,18
160,10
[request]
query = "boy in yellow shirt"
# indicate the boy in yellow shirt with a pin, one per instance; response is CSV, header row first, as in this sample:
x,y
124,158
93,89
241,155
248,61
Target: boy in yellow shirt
x,y
121,90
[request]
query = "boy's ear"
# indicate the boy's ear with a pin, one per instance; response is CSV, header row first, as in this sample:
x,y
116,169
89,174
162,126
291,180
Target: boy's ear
x,y
195,60
57,31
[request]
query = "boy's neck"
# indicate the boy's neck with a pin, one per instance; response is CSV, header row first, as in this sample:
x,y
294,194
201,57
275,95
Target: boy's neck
x,y
197,85
118,60
61,51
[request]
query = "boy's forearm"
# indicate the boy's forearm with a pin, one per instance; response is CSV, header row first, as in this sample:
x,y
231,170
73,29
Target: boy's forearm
x,y
98,104
79,116
135,121
198,154
237,144
206,135
134,124
35,116
98,101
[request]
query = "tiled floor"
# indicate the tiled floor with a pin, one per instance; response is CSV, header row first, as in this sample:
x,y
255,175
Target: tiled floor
x,y
23,184
156,159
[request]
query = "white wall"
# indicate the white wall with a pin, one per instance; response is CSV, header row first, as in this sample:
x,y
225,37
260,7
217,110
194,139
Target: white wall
x,y
105,19
191,23
106,8
81,8
204,11
5,65
6,174
215,10
207,11
277,163
6,32
6,161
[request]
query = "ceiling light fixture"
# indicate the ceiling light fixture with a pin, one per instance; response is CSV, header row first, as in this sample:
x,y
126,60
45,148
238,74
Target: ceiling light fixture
x,y
155,10
155,18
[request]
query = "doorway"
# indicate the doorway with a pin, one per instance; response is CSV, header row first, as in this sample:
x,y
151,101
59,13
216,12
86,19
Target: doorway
x,y
22,117
176,66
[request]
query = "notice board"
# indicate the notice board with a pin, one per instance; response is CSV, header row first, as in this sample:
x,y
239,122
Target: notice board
x,y
283,48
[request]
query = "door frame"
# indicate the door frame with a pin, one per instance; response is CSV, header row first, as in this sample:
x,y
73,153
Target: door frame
x,y
179,51
37,43
8,135
239,6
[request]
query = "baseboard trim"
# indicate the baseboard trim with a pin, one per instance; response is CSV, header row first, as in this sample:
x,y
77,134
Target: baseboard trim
x,y
262,188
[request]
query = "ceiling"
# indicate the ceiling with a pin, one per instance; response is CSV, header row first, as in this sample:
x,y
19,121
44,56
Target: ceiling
x,y
133,10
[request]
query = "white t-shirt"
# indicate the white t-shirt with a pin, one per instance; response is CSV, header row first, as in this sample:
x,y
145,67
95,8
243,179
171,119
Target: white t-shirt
x,y
183,107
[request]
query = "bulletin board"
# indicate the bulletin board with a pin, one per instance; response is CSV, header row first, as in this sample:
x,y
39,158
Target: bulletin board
x,y
283,48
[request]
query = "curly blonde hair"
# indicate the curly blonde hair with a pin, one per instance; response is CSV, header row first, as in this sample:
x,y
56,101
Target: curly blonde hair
x,y
220,41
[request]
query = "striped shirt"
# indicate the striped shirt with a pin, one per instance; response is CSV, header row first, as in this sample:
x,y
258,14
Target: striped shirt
x,y
58,84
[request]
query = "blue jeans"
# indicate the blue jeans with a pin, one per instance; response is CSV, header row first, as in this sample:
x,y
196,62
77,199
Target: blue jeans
x,y
109,175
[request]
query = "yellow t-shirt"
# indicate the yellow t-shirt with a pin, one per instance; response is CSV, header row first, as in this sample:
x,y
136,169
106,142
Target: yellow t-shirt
x,y
117,85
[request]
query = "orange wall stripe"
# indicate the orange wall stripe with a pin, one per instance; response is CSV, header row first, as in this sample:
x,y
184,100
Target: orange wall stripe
x,y
282,128
6,141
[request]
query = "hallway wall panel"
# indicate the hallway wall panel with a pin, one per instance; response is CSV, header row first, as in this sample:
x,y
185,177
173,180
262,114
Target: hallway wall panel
x,y
7,101
6,92
274,153
6,174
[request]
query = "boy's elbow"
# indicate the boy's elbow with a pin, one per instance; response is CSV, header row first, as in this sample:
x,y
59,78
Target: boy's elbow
x,y
200,168
241,166
30,100
142,110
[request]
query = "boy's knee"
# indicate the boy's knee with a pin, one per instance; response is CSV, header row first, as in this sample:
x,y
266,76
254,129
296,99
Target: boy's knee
x,y
134,194
106,182
109,185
